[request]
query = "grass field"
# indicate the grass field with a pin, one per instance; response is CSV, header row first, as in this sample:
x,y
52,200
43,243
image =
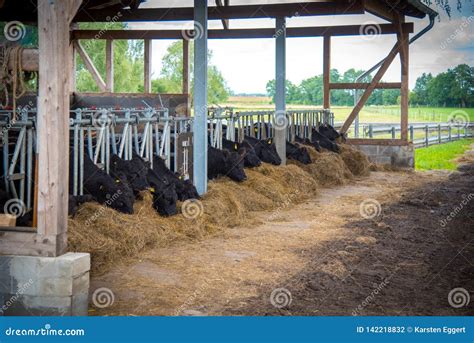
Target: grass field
x,y
441,156
369,114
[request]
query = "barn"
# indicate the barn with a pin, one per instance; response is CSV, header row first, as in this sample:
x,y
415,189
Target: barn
x,y
54,137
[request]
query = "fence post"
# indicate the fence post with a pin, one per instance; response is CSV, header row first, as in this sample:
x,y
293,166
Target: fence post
x,y
459,131
439,133
412,133
427,131
449,133
393,132
371,131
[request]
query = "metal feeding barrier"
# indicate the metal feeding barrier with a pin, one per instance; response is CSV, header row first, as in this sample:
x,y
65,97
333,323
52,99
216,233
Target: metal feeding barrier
x,y
99,133
224,122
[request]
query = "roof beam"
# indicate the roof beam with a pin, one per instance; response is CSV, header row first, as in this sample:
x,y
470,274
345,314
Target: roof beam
x,y
348,30
226,12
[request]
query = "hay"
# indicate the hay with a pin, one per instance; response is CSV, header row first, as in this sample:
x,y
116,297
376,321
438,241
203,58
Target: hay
x,y
328,168
111,236
355,160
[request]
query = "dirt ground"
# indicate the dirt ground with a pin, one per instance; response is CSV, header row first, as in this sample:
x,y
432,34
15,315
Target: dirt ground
x,y
337,254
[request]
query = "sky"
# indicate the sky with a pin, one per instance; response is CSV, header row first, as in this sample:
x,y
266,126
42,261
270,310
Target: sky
x,y
248,64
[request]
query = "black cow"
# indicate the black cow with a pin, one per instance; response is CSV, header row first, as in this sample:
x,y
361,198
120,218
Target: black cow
x,y
250,157
226,163
105,189
265,149
306,141
184,188
324,142
164,193
297,153
134,171
330,132
77,200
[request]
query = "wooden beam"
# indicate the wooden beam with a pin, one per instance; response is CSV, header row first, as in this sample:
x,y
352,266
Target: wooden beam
x,y
185,66
21,241
225,22
226,12
109,65
90,66
381,9
53,122
403,41
292,32
364,85
378,76
147,65
367,141
326,71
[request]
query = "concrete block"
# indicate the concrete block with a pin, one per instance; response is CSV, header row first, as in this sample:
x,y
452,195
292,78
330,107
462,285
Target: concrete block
x,y
28,305
80,304
45,285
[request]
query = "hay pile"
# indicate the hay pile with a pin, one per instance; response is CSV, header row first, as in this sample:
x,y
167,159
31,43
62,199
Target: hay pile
x,y
110,236
355,160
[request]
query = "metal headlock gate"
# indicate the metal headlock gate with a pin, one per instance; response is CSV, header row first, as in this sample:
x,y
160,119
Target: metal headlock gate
x,y
223,122
99,133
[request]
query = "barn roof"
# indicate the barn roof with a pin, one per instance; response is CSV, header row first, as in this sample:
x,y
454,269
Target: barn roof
x,y
158,10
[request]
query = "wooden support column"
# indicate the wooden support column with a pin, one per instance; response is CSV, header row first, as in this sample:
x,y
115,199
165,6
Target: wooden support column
x,y
403,40
90,66
53,121
109,65
147,67
378,76
326,71
185,66
186,75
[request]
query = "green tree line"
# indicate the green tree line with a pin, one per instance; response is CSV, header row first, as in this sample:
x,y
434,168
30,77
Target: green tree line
x,y
453,88
310,91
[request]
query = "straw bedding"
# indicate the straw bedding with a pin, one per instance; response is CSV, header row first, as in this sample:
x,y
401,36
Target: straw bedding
x,y
110,236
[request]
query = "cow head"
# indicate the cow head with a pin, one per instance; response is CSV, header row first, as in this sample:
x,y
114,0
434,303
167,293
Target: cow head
x,y
164,199
268,152
302,155
234,164
185,189
115,193
251,159
134,170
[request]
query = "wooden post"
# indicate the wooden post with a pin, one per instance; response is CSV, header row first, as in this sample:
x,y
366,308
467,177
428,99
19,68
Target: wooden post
x,y
109,65
90,66
378,76
53,119
403,41
186,75
185,66
327,71
147,67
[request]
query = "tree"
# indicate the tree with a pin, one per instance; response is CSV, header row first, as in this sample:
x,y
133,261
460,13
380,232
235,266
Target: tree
x,y
462,91
420,92
170,80
128,62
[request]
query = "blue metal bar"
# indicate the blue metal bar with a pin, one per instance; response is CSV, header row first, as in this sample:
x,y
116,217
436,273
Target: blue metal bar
x,y
200,96
280,88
